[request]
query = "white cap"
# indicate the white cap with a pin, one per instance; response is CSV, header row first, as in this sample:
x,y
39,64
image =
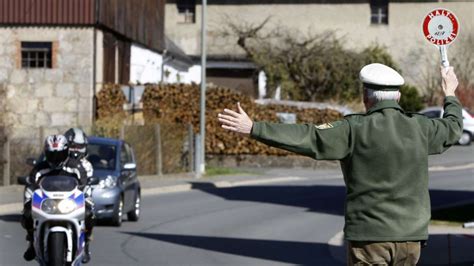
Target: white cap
x,y
381,76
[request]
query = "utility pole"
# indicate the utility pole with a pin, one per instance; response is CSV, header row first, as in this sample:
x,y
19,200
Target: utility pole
x,y
202,162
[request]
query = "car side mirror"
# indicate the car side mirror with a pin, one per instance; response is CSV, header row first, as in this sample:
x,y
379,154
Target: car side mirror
x,y
93,180
129,166
22,180
31,161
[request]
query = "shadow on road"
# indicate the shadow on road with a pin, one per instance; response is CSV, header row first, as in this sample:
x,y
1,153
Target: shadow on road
x,y
319,198
324,199
281,251
448,249
10,218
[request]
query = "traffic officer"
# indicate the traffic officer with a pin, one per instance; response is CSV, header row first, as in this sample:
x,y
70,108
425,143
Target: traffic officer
x,y
384,160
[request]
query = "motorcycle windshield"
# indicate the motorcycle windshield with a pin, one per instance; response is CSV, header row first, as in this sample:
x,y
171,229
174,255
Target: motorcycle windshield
x,y
59,183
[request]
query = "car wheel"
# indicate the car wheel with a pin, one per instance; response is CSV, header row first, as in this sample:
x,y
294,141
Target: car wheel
x,y
134,214
465,139
118,213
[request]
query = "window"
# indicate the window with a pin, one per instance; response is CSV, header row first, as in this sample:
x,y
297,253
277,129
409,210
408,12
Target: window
x,y
433,114
125,156
378,12
187,11
36,54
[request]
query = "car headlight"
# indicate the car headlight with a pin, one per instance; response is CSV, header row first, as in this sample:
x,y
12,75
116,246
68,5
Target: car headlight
x,y
66,206
109,182
49,206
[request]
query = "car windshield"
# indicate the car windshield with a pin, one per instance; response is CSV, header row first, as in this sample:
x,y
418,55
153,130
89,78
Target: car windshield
x,y
59,183
102,156
433,113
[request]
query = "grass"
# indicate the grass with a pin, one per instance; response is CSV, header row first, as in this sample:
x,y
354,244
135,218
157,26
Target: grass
x,y
218,171
454,215
446,223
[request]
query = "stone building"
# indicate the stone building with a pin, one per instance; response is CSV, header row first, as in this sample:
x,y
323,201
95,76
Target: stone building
x,y
56,54
395,24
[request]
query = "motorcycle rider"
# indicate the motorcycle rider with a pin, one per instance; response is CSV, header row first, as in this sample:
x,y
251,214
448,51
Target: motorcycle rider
x,y
57,162
77,140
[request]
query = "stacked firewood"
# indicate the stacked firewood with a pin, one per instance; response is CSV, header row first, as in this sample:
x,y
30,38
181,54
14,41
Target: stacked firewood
x,y
110,101
180,103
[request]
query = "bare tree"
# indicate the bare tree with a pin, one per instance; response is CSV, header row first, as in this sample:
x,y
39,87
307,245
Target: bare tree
x,y
307,67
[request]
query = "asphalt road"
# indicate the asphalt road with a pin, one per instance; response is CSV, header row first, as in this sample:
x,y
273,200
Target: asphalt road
x,y
272,224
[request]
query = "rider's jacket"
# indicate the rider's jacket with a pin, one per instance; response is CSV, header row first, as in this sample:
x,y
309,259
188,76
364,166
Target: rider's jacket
x,y
72,168
87,167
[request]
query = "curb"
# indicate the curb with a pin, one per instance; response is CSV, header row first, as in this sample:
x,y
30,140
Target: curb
x,y
17,207
11,208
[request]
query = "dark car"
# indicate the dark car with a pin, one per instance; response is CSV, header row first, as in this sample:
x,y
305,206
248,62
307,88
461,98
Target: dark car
x,y
118,191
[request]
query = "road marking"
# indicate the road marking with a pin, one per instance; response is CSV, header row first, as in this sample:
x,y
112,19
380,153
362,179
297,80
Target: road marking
x,y
225,184
166,189
450,168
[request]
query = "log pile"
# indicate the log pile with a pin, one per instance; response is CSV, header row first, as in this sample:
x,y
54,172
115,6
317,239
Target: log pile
x,y
110,101
179,103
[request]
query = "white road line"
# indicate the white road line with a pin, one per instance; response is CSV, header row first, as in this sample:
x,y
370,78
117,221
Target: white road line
x,y
450,168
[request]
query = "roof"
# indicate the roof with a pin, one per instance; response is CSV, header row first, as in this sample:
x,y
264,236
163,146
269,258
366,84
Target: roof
x,y
102,140
135,21
224,61
176,57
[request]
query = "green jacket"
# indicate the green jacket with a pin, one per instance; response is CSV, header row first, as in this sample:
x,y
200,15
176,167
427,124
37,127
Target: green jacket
x,y
384,160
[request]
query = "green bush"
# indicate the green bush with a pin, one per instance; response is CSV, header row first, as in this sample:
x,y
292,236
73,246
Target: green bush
x,y
411,101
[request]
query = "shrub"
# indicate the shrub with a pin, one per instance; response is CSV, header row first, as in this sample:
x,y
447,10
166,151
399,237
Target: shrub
x,y
411,100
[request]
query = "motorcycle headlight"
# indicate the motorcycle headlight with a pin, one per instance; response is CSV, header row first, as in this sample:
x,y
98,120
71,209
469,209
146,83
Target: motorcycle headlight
x,y
109,182
49,206
66,206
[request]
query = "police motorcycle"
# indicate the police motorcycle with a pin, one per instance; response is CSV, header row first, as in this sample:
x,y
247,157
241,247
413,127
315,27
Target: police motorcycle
x,y
58,211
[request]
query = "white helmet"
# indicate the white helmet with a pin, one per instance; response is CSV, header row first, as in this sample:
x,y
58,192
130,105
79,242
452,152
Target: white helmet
x,y
77,143
56,151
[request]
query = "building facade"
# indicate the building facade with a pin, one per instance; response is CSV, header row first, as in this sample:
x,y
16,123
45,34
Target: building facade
x,y
395,24
55,55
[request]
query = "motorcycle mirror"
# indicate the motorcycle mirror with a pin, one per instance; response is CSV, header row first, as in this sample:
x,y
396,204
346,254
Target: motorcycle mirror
x,y
93,180
22,180
31,161
129,166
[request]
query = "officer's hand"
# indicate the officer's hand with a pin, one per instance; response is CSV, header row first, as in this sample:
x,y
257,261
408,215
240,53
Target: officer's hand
x,y
449,81
238,122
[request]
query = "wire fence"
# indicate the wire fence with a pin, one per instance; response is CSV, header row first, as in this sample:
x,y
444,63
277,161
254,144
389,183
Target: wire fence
x,y
159,149
4,158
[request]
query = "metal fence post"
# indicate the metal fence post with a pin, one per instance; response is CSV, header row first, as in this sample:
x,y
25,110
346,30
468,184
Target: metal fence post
x,y
197,154
191,148
6,164
41,136
122,132
159,161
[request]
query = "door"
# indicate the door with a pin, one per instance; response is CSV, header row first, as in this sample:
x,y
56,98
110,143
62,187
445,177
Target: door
x,y
128,176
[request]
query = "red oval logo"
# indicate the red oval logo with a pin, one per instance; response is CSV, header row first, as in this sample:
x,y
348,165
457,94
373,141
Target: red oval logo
x,y
440,27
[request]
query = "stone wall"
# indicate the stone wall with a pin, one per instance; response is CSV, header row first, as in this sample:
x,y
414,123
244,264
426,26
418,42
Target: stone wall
x,y
267,161
402,36
46,101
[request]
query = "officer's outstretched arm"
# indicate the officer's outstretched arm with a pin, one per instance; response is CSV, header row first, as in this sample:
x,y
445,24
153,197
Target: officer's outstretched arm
x,y
330,141
324,142
446,131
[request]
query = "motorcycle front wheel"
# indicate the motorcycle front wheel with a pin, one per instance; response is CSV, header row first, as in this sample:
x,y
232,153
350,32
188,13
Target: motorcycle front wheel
x,y
56,249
